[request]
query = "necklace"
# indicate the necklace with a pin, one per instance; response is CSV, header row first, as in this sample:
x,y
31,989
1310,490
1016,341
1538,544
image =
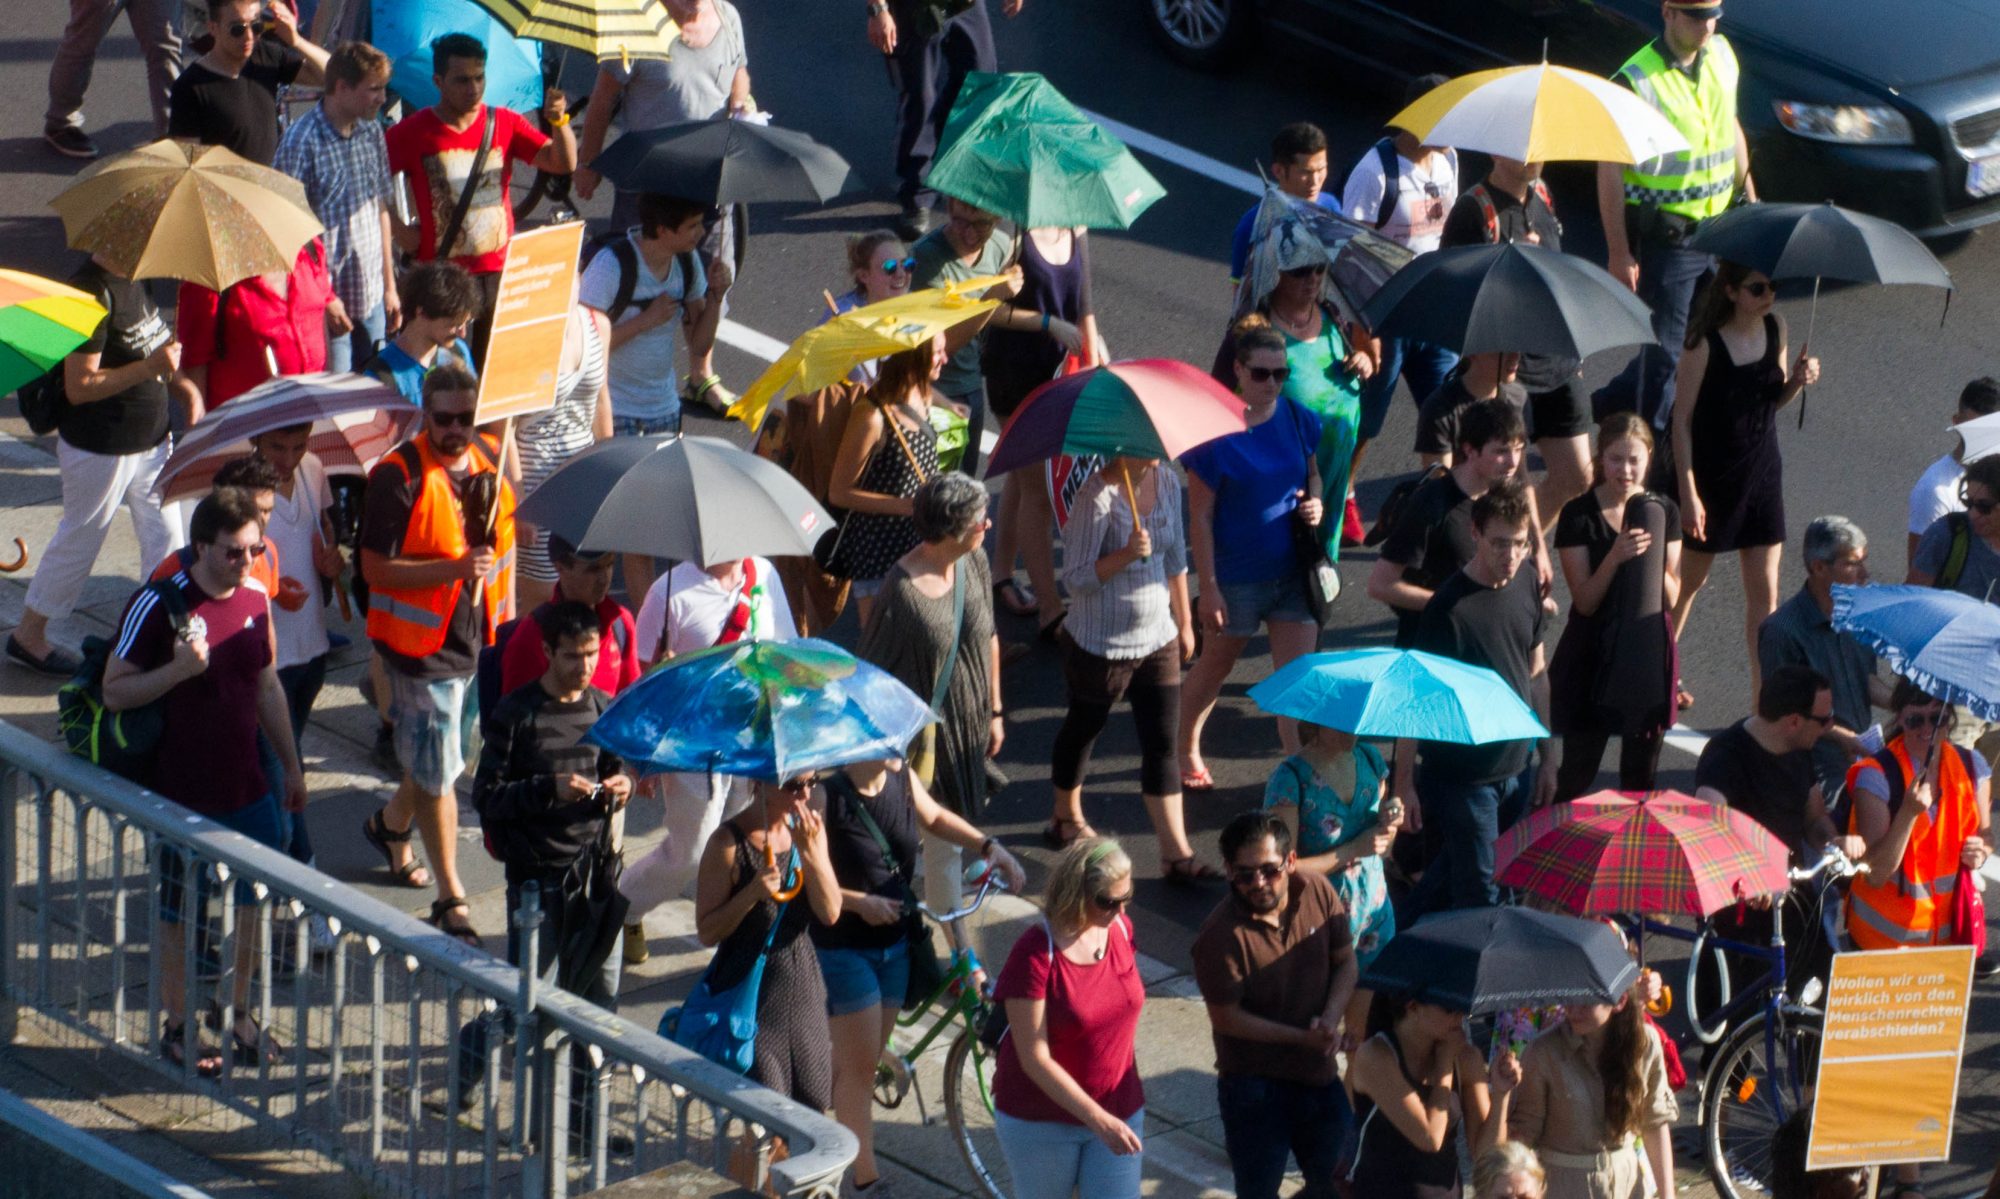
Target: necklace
x,y
1297,328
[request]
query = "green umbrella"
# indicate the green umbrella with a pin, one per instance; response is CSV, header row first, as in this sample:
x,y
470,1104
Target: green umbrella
x,y
41,323
1017,148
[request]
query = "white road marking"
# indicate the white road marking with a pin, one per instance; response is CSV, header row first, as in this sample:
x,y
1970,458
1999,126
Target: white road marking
x,y
1685,739
1180,156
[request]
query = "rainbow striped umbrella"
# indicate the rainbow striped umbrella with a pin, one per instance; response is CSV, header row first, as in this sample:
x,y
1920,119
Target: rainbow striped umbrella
x,y
41,323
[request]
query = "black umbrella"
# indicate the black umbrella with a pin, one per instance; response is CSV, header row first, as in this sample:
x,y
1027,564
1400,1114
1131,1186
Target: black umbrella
x,y
1509,298
694,499
1820,241
1496,959
727,161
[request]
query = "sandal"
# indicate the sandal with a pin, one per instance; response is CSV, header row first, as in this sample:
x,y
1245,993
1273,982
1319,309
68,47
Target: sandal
x,y
377,831
207,1060
1009,594
1048,631
1197,780
1054,837
1683,699
1188,872
449,915
709,392
245,1052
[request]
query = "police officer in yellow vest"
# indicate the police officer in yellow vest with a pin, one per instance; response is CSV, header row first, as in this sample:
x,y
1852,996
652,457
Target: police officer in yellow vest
x,y
1689,74
437,549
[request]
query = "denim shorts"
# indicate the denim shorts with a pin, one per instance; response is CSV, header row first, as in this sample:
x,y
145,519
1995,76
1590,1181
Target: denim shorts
x,y
859,979
867,588
437,729
1279,600
262,822
645,426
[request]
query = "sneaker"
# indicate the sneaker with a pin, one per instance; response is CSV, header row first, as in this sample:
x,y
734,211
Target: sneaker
x,y
71,142
385,749
635,944
58,663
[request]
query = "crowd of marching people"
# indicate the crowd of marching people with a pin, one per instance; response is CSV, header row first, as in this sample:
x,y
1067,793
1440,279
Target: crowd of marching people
x,y
494,645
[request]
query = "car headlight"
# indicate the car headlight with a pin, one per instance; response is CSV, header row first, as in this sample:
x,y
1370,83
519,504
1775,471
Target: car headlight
x,y
1867,124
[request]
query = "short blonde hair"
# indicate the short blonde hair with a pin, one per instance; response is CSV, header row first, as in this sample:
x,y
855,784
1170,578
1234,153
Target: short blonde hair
x,y
1507,1157
1084,871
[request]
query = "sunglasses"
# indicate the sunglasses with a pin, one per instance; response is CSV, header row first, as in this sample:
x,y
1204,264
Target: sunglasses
x,y
799,785
1112,903
1758,289
1982,507
1436,210
240,553
1264,374
1922,720
446,420
1304,272
891,266
1250,876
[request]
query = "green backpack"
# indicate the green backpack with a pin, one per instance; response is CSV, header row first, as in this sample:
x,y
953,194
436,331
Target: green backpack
x,y
122,742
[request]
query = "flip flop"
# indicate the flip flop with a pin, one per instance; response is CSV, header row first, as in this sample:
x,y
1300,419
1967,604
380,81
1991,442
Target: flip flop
x,y
377,831
1189,871
1197,780
207,1060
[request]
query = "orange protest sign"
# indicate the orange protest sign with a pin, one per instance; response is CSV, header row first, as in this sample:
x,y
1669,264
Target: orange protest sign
x,y
1889,1058
529,316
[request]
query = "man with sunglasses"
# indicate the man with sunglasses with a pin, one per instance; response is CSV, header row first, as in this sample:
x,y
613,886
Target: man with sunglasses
x,y
1961,552
229,96
1275,964
1762,764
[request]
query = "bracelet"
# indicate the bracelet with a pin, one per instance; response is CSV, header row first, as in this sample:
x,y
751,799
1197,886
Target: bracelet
x,y
1045,322
878,8
986,847
999,713
558,122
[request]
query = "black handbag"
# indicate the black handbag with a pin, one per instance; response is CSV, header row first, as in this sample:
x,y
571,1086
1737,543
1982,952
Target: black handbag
x,y
926,969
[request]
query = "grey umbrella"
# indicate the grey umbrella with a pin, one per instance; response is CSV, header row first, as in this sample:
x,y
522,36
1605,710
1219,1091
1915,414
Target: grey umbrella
x,y
693,499
1511,298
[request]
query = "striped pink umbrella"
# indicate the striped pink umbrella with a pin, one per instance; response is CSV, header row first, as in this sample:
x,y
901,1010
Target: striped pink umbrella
x,y
1660,854
1144,408
355,420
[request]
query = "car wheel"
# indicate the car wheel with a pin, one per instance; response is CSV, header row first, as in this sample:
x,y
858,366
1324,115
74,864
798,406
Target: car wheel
x,y
1202,33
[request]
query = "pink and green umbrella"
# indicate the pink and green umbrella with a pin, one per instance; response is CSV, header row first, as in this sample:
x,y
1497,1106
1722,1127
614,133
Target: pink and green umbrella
x,y
1144,408
41,323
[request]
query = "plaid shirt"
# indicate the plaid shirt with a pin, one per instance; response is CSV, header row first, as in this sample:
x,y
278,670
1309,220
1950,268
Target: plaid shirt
x,y
347,182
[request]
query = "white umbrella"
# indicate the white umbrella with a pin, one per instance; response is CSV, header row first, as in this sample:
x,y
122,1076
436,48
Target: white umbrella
x,y
1981,436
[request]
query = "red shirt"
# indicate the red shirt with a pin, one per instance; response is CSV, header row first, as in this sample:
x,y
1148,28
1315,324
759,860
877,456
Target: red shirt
x,y
438,159
228,331
526,658
208,760
1093,1020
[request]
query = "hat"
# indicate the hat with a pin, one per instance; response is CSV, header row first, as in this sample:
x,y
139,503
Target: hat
x,y
1696,8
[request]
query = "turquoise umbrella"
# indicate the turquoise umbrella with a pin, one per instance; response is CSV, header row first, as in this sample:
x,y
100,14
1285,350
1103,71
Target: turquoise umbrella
x,y
405,29
1385,693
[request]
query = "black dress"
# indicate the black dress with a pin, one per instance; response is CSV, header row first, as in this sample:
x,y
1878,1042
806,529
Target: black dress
x,y
1387,1165
871,542
1588,672
1737,471
794,1049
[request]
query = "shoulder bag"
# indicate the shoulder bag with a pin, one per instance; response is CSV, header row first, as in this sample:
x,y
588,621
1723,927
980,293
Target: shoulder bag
x,y
458,214
923,756
722,1025
1322,578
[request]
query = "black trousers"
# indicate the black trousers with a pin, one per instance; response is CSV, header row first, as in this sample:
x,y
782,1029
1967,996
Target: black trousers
x,y
927,73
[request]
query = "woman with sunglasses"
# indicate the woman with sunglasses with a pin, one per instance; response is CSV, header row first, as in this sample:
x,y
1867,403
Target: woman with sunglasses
x,y
1732,380
1068,1106
1415,1080
881,268
1244,493
769,865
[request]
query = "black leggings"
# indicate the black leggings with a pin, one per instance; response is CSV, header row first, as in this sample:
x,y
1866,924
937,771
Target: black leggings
x,y
1583,752
1152,683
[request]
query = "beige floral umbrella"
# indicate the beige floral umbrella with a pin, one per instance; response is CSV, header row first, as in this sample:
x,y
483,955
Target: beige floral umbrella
x,y
177,209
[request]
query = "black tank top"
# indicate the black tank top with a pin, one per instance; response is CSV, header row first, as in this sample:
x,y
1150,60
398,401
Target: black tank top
x,y
1387,1165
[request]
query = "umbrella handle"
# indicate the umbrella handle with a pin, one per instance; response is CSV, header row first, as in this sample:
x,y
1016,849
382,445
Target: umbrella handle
x,y
1812,319
1131,496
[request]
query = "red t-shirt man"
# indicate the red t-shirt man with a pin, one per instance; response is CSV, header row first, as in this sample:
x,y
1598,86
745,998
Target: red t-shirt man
x,y
229,331
438,159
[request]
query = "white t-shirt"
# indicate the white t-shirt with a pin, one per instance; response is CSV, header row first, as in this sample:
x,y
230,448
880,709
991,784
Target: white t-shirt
x,y
1935,494
294,528
1424,197
701,606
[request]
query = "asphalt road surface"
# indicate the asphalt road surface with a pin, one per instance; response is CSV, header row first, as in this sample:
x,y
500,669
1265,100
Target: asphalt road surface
x,y
1892,367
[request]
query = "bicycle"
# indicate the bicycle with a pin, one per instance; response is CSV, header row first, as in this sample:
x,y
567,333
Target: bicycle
x,y
957,1002
1769,1055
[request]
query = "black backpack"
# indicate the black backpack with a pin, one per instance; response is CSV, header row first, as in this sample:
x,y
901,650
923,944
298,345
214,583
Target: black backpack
x,y
1398,499
43,400
627,257
122,742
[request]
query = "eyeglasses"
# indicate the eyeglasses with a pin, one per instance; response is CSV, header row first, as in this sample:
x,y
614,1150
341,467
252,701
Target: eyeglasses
x,y
1111,903
1304,272
446,420
1264,374
1819,720
1924,720
1760,289
1250,876
891,266
240,553
799,785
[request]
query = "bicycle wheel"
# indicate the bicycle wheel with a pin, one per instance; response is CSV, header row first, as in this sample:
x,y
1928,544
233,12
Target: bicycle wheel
x,y
1751,1088
968,1106
1707,967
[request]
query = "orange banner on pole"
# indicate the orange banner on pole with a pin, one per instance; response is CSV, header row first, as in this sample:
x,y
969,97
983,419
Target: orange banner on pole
x,y
1889,1058
530,314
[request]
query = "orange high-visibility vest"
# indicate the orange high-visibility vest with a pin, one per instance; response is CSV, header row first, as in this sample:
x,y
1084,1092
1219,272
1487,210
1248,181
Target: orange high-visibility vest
x,y
412,621
1912,906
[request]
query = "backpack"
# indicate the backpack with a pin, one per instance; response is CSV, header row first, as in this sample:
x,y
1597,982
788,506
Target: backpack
x,y
43,400
1490,213
627,257
122,742
1385,153
1398,499
1954,557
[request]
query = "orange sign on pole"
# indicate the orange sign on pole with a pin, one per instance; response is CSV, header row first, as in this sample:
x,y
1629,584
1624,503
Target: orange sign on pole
x,y
529,317
1889,1060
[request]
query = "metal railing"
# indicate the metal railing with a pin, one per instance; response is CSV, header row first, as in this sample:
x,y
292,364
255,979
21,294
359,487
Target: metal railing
x,y
373,1064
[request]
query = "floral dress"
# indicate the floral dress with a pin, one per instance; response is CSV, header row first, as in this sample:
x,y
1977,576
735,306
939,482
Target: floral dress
x,y
1327,822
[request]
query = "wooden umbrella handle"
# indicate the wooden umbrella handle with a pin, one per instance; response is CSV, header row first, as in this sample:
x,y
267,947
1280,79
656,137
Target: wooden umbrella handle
x,y
20,558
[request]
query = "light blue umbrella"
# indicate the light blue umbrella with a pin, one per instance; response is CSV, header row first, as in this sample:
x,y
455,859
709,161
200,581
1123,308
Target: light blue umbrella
x,y
1387,693
770,710
405,29
1943,641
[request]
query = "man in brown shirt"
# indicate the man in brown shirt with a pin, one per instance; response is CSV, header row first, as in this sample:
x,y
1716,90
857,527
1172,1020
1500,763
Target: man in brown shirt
x,y
1275,963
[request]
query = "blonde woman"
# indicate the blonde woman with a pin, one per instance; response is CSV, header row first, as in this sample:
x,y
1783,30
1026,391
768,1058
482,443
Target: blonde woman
x,y
1068,1105
1509,1170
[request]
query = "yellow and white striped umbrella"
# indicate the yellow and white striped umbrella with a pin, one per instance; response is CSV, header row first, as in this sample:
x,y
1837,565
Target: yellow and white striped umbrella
x,y
1541,113
604,29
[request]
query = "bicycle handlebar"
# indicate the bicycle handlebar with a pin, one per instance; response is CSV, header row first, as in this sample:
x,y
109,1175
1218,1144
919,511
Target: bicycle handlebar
x,y
989,882
1833,862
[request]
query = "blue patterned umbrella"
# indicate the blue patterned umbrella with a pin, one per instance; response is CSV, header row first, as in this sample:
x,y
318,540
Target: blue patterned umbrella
x,y
1944,642
1399,693
770,710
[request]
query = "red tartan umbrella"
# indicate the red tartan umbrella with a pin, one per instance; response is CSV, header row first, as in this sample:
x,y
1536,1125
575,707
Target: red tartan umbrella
x,y
1661,854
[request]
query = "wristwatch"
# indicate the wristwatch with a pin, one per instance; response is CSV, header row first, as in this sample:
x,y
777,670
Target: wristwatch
x,y
878,7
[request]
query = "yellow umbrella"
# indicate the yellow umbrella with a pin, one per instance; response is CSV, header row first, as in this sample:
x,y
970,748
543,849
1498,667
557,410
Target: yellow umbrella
x,y
180,210
823,356
1541,113
604,29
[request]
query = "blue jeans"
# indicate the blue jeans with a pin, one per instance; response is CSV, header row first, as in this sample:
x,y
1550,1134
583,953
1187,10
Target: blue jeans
x,y
1669,277
645,426
1420,363
342,353
1049,1159
1266,1120
1469,819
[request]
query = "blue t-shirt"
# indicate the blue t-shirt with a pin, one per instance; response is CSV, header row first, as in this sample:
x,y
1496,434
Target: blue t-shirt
x,y
1239,242
1256,476
406,374
642,379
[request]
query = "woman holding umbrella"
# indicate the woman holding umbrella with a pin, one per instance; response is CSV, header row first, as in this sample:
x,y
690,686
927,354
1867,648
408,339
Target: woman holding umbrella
x,y
1732,380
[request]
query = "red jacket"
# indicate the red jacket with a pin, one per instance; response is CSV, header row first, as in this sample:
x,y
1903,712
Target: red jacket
x,y
525,659
228,331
